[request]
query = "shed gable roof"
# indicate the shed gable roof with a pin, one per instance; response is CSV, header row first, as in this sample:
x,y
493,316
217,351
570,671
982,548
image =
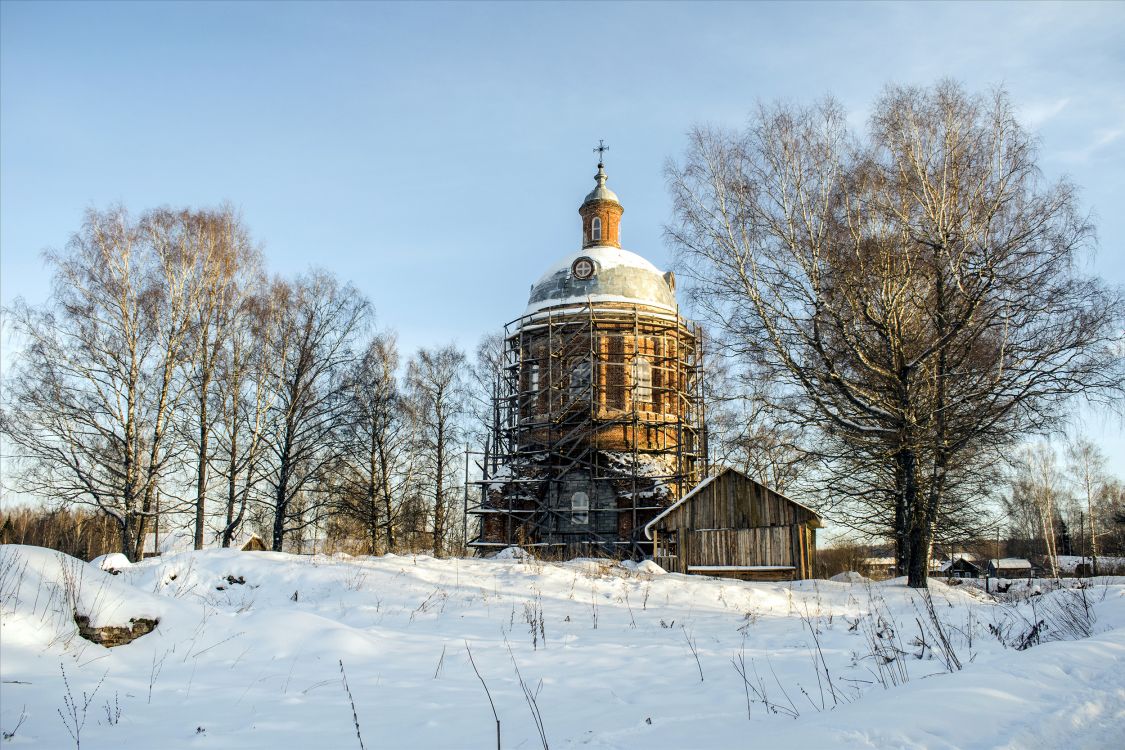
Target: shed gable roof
x,y
699,487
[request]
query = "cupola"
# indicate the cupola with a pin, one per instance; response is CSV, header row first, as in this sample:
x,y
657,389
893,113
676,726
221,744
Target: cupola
x,y
601,214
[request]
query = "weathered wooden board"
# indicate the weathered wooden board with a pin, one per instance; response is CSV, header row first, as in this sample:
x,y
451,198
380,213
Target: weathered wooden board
x,y
735,521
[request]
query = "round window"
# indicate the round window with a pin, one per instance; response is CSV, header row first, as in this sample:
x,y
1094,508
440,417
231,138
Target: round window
x,y
583,268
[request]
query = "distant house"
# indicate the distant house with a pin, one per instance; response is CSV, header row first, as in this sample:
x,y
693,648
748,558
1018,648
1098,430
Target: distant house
x,y
960,568
735,527
880,566
1011,567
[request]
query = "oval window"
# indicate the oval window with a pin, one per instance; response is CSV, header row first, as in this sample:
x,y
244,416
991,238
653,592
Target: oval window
x,y
580,508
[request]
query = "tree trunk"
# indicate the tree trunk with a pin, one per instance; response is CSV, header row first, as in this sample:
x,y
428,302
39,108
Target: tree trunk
x,y
201,475
1093,534
279,520
372,499
439,491
232,489
915,550
388,506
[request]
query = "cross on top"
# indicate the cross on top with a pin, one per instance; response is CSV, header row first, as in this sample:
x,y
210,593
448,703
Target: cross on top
x,y
601,149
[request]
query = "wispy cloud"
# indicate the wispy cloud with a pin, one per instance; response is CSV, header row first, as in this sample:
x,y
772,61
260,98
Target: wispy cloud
x,y
1102,138
1034,114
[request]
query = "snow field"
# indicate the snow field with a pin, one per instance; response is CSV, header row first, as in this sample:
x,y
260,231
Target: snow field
x,y
249,647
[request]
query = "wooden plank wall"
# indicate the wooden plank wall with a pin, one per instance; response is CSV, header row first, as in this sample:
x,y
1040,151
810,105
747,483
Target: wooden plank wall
x,y
735,521
770,545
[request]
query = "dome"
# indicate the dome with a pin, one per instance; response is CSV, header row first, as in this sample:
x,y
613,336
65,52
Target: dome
x,y
616,276
600,192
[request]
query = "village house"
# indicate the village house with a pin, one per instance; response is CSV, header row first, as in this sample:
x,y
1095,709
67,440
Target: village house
x,y
960,568
1011,567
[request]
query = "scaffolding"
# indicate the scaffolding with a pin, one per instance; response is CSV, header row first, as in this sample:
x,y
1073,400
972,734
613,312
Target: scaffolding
x,y
597,426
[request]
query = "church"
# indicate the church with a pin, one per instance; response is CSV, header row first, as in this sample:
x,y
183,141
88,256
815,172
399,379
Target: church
x,y
600,410
598,436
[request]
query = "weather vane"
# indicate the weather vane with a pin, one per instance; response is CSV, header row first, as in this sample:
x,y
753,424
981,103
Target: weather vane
x,y
601,149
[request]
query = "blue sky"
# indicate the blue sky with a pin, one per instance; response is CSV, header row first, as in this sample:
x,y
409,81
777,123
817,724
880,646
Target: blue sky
x,y
435,154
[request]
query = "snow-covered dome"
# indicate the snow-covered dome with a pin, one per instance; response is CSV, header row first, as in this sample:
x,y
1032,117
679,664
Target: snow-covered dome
x,y
612,275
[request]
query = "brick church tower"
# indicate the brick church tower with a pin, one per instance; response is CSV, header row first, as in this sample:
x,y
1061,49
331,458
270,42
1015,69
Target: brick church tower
x,y
599,405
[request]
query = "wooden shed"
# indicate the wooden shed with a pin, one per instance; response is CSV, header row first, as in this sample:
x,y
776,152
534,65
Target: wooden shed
x,y
735,527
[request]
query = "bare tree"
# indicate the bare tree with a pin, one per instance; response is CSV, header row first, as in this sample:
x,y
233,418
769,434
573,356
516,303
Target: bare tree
x,y
371,476
310,352
746,432
93,395
485,384
245,390
1087,468
914,294
1113,515
435,384
1046,488
223,256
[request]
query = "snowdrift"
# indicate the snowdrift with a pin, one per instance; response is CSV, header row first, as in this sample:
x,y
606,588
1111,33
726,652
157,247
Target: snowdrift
x,y
252,648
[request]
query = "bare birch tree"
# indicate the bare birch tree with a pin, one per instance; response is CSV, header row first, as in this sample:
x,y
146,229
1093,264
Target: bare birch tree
x,y
485,386
1087,468
370,479
914,292
311,352
223,256
246,388
435,384
94,393
746,432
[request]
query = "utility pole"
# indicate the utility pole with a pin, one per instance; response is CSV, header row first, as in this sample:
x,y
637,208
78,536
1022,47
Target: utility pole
x,y
465,511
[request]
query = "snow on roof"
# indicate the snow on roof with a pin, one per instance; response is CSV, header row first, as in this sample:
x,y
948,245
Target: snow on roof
x,y
704,483
1011,562
619,276
736,568
947,564
678,503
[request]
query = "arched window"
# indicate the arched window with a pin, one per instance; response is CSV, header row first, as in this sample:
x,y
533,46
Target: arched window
x,y
580,509
579,379
596,228
533,378
642,380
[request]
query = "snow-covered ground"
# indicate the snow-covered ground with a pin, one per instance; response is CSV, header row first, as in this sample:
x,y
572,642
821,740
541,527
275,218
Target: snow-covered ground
x,y
249,647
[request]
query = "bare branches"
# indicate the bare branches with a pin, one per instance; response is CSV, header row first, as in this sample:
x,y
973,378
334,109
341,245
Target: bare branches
x,y
311,353
913,295
437,401
95,393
